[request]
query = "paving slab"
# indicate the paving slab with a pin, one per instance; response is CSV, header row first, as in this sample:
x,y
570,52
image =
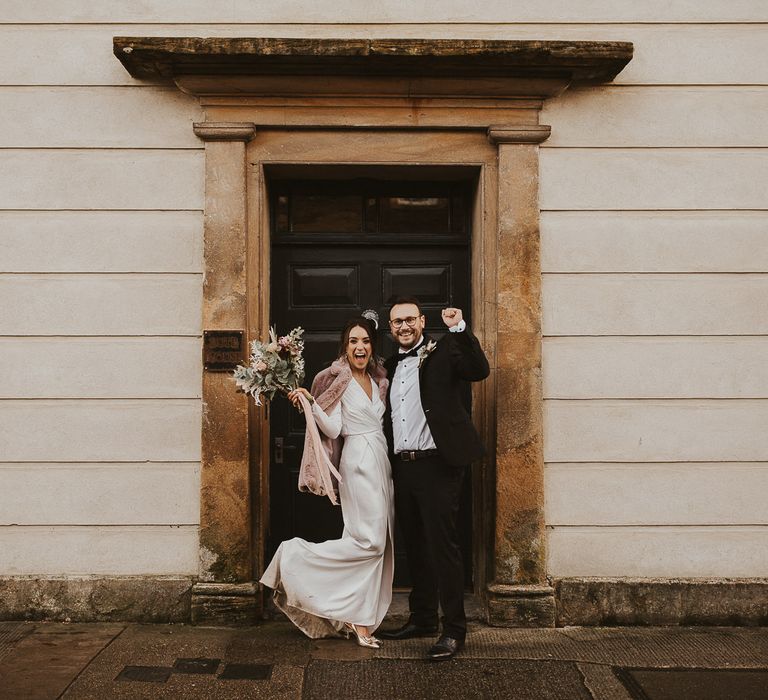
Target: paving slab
x,y
695,684
624,646
278,645
11,633
396,680
602,682
50,656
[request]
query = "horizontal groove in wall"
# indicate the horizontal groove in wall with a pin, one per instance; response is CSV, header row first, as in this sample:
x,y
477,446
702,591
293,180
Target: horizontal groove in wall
x,y
180,401
670,528
91,149
99,525
101,398
86,149
195,149
576,273
702,147
132,209
115,463
639,335
746,149
665,401
99,462
96,337
657,462
435,25
586,212
632,273
643,398
99,337
104,273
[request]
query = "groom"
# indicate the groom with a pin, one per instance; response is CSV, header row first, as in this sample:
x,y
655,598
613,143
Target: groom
x,y
432,440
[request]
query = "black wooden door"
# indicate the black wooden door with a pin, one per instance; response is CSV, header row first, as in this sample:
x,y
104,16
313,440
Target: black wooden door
x,y
338,248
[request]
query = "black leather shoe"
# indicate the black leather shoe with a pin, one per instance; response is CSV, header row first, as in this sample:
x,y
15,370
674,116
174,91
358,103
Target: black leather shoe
x,y
445,648
408,631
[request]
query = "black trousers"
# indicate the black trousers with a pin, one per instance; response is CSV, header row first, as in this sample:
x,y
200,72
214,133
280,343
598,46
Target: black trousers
x,y
427,504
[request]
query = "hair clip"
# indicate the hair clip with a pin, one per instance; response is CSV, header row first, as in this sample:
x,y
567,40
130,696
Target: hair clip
x,y
371,315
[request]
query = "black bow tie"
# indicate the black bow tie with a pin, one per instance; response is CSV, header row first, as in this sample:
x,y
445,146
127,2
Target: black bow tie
x,y
411,353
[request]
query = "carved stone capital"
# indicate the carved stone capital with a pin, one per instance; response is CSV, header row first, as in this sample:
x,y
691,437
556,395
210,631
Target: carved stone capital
x,y
225,131
533,133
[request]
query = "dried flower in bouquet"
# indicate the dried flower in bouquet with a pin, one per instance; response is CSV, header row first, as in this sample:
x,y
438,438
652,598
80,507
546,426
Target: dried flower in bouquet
x,y
276,366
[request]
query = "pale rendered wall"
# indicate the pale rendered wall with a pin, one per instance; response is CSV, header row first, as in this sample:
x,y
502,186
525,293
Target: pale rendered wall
x,y
654,253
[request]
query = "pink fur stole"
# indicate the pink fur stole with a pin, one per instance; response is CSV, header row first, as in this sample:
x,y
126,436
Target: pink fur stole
x,y
327,389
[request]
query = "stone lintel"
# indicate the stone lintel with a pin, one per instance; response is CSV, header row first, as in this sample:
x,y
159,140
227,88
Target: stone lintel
x,y
533,133
225,131
294,90
521,606
163,58
614,601
225,604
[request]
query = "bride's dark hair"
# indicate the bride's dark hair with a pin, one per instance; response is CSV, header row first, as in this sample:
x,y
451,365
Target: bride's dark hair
x,y
369,327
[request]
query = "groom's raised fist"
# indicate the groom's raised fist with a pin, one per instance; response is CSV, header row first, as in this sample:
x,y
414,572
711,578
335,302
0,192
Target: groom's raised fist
x,y
451,317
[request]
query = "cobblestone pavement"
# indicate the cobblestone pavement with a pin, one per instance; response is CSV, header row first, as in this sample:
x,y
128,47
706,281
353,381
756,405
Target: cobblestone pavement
x,y
40,660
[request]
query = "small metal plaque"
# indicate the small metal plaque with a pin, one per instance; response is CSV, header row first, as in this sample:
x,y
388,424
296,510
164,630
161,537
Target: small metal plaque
x,y
222,350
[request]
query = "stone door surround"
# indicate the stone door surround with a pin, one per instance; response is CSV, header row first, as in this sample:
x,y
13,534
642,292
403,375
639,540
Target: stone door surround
x,y
434,104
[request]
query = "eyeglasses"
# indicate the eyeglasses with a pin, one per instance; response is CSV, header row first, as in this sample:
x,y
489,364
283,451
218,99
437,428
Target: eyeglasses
x,y
398,322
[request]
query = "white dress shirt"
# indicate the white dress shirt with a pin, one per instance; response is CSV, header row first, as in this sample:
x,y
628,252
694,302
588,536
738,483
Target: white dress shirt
x,y
409,423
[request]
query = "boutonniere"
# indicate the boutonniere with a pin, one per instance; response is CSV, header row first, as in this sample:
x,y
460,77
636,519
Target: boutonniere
x,y
425,351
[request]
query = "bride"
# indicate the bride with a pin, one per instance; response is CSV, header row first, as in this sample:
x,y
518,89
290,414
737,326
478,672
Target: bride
x,y
345,586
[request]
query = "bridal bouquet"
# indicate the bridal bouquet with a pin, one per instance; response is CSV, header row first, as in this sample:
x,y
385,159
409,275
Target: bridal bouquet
x,y
274,366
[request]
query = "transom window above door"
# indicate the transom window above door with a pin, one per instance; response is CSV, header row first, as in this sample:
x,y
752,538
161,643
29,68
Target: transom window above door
x,y
370,210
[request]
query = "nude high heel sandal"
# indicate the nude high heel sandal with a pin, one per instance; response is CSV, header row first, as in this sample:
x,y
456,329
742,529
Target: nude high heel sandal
x,y
369,642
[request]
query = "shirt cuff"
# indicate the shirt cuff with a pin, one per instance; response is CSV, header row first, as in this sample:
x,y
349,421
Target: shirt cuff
x,y
459,327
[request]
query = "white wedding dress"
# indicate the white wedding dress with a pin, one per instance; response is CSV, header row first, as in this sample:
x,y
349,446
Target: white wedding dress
x,y
320,586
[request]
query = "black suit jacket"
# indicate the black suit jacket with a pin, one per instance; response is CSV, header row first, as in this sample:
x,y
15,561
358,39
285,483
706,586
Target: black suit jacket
x,y
443,376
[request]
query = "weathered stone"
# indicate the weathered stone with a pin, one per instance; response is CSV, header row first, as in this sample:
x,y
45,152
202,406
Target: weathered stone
x,y
226,604
225,498
225,543
662,602
166,57
139,599
521,606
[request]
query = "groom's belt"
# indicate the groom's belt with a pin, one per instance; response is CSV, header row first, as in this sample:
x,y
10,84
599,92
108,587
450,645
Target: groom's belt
x,y
413,455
